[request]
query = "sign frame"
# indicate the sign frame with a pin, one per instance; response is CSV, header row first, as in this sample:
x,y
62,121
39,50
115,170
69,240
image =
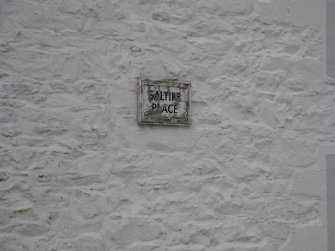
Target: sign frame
x,y
146,116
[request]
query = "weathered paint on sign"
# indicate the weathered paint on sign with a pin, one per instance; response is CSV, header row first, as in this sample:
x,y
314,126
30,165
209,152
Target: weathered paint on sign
x,y
163,102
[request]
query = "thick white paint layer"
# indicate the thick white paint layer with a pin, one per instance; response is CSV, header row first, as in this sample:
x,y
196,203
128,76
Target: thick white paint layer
x,y
78,173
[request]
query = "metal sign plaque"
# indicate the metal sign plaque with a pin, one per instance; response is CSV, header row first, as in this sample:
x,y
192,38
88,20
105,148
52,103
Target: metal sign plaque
x,y
163,102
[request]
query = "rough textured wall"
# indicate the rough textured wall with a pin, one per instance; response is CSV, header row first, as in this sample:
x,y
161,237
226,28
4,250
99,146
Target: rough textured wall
x,y
78,173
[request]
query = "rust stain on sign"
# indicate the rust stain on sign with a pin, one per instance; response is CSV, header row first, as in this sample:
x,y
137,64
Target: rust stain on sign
x,y
163,102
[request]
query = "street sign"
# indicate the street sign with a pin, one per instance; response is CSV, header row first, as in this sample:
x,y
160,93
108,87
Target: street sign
x,y
163,102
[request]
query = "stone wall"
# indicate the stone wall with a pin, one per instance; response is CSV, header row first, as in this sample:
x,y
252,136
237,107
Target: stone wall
x,y
78,173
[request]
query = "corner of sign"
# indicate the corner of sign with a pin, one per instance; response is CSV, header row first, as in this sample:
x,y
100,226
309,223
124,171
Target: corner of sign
x,y
138,80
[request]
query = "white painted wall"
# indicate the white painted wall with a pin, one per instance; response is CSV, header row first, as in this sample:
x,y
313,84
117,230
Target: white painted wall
x,y
78,173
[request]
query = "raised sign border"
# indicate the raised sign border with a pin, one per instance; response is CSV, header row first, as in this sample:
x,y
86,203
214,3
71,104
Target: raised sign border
x,y
187,121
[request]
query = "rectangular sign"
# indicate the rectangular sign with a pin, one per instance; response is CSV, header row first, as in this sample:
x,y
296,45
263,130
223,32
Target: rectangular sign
x,y
163,102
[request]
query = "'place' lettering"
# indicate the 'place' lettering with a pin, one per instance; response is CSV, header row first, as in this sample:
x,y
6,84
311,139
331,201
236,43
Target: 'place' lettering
x,y
165,108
